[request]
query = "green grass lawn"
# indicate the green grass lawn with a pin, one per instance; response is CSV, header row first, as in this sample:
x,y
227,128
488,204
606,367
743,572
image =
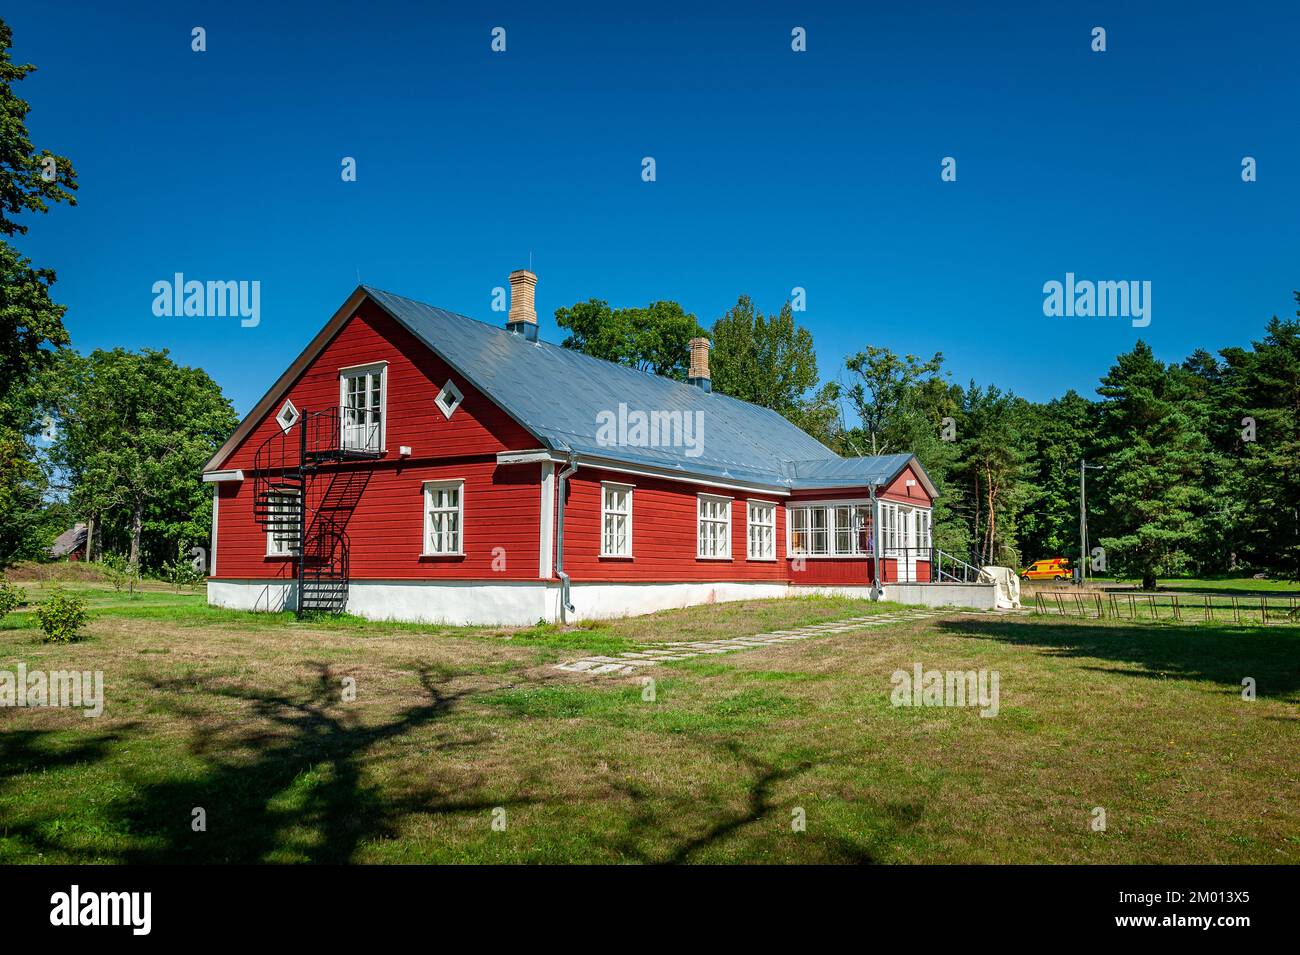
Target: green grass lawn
x,y
244,717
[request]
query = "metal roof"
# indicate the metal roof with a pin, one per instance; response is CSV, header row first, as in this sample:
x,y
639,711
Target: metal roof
x,y
70,540
838,472
564,396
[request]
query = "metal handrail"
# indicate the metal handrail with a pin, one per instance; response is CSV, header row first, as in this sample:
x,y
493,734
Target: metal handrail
x,y
969,573
285,463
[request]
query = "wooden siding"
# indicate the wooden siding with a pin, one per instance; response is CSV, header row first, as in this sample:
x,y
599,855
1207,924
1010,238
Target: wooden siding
x,y
664,533
502,503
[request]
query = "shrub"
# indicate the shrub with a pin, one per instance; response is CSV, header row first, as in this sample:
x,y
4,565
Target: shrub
x,y
121,572
114,570
181,573
10,597
62,615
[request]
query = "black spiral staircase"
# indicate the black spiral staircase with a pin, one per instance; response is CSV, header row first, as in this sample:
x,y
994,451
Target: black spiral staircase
x,y
303,496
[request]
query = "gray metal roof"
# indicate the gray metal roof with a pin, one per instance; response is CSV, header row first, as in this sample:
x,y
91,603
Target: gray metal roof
x,y
560,394
840,472
69,541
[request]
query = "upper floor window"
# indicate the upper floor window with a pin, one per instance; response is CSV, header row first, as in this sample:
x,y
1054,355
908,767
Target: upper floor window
x,y
362,397
616,520
761,526
444,510
714,527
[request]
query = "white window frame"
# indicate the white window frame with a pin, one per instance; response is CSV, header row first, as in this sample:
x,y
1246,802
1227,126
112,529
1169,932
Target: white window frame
x,y
292,414
453,395
457,484
274,546
833,514
767,548
700,521
607,512
379,368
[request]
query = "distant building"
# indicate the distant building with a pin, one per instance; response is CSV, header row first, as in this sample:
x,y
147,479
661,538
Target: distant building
x,y
71,544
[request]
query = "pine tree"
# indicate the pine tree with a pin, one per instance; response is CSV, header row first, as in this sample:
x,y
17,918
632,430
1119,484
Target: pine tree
x,y
1269,465
1154,451
1061,434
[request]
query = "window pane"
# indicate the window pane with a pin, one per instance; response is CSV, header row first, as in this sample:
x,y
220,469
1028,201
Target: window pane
x,y
843,530
862,530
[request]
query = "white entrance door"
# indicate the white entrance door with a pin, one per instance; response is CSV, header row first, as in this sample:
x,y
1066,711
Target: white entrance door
x,y
907,540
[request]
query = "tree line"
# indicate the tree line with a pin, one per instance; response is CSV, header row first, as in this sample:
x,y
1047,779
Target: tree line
x,y
1194,465
114,439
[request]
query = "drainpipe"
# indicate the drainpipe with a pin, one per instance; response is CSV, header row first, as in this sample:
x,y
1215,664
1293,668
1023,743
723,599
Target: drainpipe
x,y
566,606
876,589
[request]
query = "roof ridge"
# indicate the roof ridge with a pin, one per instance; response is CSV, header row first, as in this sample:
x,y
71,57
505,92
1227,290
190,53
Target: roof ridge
x,y
583,355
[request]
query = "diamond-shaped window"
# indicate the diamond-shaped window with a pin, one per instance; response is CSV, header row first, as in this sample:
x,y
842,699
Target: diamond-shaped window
x,y
449,398
287,417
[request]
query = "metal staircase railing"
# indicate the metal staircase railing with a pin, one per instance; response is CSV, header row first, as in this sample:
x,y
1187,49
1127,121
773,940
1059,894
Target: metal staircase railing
x,y
957,571
284,468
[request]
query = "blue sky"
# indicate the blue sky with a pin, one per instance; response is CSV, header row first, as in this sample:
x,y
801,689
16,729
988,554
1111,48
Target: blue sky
x,y
775,169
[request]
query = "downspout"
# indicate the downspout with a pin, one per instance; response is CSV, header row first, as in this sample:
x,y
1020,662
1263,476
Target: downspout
x,y
876,590
566,605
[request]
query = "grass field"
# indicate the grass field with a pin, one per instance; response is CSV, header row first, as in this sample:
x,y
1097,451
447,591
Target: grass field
x,y
244,717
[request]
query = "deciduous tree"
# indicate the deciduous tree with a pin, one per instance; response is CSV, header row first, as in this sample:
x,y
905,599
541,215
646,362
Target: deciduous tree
x,y
135,429
654,338
772,362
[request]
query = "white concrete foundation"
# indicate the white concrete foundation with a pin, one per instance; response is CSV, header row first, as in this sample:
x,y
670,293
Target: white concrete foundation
x,y
593,601
973,596
525,602
263,596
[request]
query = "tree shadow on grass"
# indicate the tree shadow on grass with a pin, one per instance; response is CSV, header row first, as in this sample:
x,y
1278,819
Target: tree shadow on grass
x,y
41,749
288,787
646,824
24,751
1218,654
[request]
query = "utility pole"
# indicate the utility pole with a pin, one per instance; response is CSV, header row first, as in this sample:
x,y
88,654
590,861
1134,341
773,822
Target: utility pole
x,y
1084,467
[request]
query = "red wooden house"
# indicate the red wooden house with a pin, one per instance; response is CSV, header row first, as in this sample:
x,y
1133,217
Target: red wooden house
x,y
416,464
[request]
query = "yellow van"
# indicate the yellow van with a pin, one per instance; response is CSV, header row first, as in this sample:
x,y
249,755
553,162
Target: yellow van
x,y
1054,568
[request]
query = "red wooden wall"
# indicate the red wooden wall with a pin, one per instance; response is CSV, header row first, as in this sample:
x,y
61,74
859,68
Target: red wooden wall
x,y
664,533
502,503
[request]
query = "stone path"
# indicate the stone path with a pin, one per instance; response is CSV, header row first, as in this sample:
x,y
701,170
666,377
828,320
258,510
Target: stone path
x,y
649,655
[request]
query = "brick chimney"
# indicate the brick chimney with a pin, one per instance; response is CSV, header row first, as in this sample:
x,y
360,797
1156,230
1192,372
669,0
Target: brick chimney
x,y
699,371
522,319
